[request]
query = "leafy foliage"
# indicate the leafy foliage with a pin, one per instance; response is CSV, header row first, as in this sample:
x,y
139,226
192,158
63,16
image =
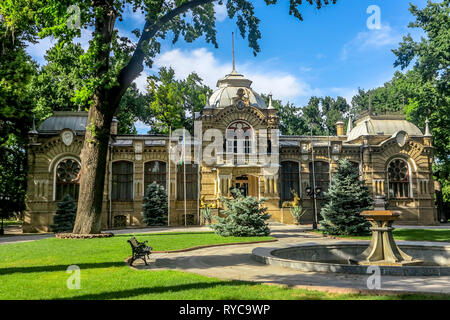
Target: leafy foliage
x,y
64,218
244,217
297,213
207,215
173,102
155,205
16,71
423,91
347,197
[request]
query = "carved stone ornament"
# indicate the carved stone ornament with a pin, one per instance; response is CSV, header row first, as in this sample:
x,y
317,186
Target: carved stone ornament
x,y
138,147
67,137
401,138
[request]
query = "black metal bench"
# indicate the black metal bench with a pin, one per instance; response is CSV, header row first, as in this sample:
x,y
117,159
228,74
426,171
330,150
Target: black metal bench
x,y
140,250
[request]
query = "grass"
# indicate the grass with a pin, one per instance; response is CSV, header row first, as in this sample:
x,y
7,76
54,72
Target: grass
x,y
37,270
11,223
440,235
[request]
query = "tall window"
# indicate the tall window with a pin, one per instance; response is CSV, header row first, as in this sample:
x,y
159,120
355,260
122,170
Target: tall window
x,y
398,173
122,181
289,180
322,175
191,182
239,135
155,171
67,179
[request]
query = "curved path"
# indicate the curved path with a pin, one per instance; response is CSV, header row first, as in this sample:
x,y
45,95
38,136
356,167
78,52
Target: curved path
x,y
235,263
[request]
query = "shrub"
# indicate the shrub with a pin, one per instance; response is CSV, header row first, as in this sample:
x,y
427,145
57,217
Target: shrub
x,y
347,198
244,217
64,219
297,213
207,215
155,205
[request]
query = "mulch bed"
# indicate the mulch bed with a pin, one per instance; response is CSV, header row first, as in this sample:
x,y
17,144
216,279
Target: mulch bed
x,y
83,236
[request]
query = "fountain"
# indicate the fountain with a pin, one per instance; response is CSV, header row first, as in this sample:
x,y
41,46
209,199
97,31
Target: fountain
x,y
383,251
406,259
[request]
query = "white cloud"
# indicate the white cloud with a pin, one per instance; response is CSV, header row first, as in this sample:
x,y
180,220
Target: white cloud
x,y
141,82
221,12
141,127
283,85
371,39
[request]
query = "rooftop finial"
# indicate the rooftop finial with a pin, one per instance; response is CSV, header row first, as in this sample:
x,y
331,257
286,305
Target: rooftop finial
x,y
350,124
33,128
270,101
427,128
232,41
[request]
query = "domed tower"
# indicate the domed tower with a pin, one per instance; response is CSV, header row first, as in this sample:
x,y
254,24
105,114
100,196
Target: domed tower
x,y
240,139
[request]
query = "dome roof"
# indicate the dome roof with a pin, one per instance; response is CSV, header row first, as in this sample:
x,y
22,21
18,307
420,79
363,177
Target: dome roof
x,y
227,91
382,125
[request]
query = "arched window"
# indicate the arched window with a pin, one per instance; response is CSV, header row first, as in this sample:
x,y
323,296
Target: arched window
x,y
289,180
191,182
122,181
239,137
398,174
67,179
155,171
321,173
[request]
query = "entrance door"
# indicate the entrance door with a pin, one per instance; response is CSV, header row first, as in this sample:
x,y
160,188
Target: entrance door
x,y
247,185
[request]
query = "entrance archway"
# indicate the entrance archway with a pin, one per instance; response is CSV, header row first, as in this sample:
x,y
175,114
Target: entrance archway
x,y
248,185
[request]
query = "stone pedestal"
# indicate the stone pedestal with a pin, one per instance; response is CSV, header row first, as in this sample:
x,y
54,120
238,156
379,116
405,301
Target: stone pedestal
x,y
382,249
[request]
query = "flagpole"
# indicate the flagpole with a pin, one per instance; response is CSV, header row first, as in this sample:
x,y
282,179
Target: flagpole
x,y
169,180
184,176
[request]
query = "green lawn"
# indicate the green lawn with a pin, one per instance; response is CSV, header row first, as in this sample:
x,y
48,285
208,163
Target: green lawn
x,y
11,222
37,270
442,235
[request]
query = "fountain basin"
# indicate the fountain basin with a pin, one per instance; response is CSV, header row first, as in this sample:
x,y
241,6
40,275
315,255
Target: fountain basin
x,y
334,258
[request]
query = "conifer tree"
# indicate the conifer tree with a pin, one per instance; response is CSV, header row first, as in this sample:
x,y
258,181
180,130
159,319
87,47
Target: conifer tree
x,y
347,198
155,205
64,219
244,217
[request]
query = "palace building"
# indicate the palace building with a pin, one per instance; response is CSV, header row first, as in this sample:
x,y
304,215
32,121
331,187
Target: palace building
x,y
393,157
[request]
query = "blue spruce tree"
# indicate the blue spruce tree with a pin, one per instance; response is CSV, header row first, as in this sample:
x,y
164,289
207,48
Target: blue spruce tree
x,y
347,197
244,217
155,205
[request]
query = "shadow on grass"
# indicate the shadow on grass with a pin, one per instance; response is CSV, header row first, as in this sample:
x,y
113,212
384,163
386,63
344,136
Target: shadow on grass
x,y
129,293
128,235
54,268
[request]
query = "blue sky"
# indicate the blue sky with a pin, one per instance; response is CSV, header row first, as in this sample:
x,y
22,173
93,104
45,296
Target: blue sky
x,y
332,52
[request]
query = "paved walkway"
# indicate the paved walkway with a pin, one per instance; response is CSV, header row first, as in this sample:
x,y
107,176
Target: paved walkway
x,y
235,263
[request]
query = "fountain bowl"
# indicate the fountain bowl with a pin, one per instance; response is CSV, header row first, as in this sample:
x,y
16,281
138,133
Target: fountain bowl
x,y
335,258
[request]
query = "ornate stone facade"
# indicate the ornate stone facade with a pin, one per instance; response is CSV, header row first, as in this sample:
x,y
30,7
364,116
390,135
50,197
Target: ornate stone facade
x,y
393,156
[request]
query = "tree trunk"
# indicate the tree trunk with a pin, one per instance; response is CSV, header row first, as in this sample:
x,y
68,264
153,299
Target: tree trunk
x,y
96,140
93,169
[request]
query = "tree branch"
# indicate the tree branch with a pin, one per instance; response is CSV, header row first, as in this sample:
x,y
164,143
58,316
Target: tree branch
x,y
135,66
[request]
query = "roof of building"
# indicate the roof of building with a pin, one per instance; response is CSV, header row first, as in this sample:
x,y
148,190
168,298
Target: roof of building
x,y
60,120
227,90
385,125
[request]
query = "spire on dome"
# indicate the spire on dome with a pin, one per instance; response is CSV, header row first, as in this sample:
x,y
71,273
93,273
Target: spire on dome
x,y
234,60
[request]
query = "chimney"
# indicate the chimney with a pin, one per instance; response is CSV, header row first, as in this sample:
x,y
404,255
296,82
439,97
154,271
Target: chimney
x,y
340,128
114,125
